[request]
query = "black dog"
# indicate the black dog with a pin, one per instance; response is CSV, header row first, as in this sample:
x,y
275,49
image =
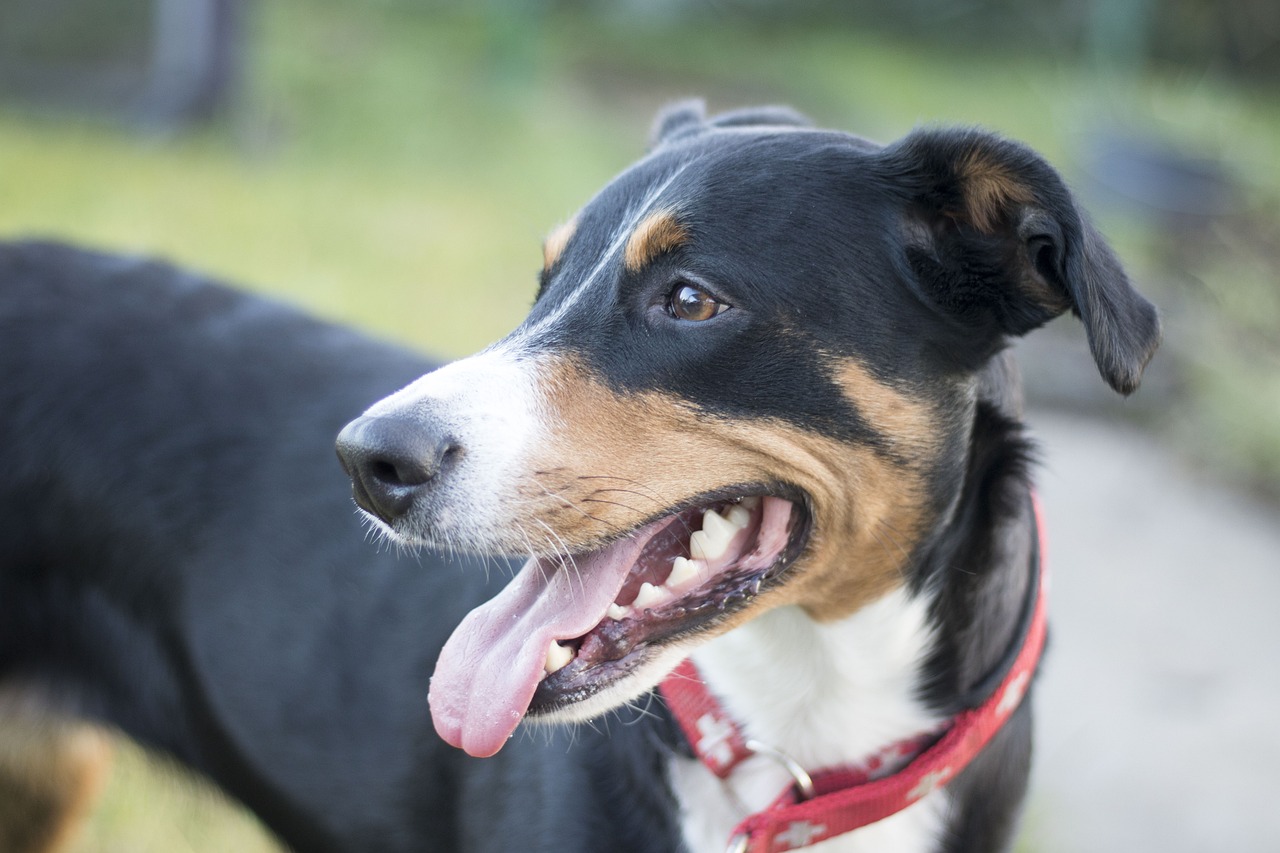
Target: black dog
x,y
182,560
790,332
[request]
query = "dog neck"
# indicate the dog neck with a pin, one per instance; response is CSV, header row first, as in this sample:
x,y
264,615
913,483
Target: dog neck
x,y
828,694
824,694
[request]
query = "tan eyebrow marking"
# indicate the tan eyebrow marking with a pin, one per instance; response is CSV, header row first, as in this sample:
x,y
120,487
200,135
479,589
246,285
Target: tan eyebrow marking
x,y
553,246
658,232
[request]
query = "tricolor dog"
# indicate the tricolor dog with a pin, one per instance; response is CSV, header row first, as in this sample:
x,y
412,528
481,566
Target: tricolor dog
x,y
760,417
757,448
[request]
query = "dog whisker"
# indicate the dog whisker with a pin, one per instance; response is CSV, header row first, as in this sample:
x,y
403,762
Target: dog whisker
x,y
564,553
653,496
568,503
610,503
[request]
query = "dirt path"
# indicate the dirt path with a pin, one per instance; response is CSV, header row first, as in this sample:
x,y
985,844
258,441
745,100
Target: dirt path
x,y
1159,707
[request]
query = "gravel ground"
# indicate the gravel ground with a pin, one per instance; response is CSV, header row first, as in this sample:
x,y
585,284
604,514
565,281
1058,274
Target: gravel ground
x,y
1159,699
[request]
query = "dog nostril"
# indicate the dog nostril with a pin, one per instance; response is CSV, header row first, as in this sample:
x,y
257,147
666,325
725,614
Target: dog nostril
x,y
386,472
393,461
451,455
414,465
397,474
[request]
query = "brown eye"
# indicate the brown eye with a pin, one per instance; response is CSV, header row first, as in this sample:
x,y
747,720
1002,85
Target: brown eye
x,y
689,303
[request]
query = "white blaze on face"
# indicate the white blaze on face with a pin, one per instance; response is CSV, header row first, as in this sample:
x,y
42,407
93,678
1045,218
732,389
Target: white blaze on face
x,y
603,269
489,405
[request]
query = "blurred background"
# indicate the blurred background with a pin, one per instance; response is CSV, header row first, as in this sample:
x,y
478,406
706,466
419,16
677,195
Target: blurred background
x,y
395,163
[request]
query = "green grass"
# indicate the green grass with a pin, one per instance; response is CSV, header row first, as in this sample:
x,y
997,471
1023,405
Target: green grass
x,y
397,169
394,159
150,806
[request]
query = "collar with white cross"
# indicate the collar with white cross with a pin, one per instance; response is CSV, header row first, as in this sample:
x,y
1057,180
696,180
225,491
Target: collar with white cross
x,y
833,801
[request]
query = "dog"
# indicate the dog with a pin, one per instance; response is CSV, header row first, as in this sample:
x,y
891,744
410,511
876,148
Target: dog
x,y
759,417
759,432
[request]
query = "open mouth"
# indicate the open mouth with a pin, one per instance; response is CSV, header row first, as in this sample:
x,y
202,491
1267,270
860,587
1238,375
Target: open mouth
x,y
703,563
566,629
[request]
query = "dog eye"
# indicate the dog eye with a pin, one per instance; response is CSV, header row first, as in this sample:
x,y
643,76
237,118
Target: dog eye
x,y
687,302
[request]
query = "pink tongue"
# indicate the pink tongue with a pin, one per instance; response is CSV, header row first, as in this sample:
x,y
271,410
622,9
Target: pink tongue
x,y
492,663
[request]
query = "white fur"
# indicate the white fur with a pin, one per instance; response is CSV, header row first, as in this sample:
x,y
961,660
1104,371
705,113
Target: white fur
x,y
825,694
490,402
608,259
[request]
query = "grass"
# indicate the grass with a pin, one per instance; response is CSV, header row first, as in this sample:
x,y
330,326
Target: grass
x,y
152,806
396,168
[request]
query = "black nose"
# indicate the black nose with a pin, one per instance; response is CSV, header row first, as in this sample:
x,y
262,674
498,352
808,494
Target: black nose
x,y
392,461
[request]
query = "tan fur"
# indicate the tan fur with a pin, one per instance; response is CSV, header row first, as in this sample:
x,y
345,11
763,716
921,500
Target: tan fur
x,y
51,773
989,191
610,463
553,247
992,197
658,232
909,424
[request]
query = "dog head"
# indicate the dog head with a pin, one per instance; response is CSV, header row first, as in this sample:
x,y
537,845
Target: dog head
x,y
747,382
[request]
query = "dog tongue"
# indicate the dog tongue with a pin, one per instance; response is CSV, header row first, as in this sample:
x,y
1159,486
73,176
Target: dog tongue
x,y
492,663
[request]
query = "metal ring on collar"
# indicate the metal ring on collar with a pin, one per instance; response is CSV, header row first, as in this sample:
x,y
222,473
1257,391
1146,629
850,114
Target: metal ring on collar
x,y
804,782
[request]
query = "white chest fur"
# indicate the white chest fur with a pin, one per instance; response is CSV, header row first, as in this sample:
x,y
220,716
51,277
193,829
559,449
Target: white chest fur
x,y
825,695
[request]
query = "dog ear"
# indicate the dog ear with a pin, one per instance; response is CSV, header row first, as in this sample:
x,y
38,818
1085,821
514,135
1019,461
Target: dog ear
x,y
676,120
686,118
768,116
995,239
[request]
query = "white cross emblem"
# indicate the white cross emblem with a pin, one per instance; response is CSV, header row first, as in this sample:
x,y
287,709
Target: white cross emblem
x,y
1013,694
799,834
930,783
714,743
889,762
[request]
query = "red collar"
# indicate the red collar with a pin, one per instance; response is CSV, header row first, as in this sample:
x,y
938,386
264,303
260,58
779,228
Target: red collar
x,y
842,799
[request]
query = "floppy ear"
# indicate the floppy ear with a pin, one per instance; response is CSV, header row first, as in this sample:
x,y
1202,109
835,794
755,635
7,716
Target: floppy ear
x,y
686,118
996,241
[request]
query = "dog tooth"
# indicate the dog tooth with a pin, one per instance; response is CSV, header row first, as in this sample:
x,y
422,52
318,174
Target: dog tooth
x,y
683,570
712,540
557,657
750,503
617,611
648,596
717,525
739,516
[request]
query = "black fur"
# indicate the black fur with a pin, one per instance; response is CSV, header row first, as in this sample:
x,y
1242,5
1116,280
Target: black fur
x,y
978,275
920,261
182,560
829,246
982,567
